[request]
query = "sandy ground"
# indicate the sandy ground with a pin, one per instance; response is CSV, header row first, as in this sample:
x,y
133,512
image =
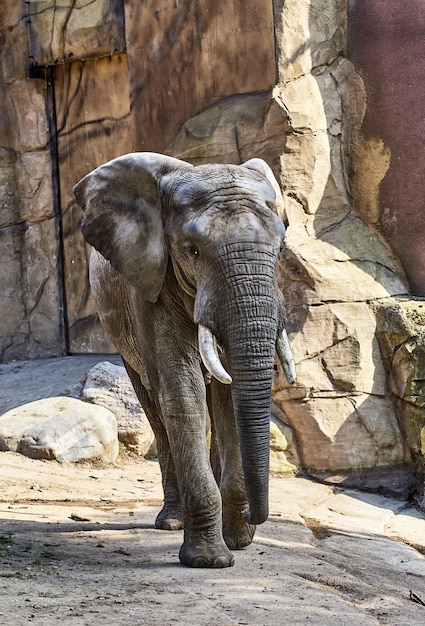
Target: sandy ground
x,y
78,546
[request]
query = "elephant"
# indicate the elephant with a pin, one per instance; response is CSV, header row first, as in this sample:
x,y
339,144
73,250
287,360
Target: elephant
x,y
183,274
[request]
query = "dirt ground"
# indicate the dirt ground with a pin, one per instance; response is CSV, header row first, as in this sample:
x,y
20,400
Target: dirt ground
x,y
78,546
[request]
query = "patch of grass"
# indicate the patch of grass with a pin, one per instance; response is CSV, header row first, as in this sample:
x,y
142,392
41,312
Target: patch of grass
x,y
6,541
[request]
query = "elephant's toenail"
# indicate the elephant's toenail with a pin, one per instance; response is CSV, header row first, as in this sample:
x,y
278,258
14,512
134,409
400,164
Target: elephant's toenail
x,y
200,561
223,561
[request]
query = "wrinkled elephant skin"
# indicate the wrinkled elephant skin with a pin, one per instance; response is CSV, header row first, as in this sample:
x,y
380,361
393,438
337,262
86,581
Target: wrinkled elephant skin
x,y
184,278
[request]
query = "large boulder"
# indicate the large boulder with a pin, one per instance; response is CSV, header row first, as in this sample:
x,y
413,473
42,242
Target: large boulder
x,y
63,429
109,386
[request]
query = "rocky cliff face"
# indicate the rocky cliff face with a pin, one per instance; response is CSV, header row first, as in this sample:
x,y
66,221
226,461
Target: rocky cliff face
x,y
358,402
336,264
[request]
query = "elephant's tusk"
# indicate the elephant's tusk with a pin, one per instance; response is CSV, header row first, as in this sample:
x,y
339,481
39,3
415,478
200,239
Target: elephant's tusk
x,y
284,353
209,355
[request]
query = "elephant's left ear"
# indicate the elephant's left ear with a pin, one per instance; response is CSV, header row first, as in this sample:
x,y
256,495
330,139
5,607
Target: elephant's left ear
x,y
122,216
261,166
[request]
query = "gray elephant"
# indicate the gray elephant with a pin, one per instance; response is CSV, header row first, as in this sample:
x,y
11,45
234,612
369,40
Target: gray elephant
x,y
184,278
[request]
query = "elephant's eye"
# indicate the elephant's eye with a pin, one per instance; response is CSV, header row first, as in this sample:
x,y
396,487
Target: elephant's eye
x,y
191,249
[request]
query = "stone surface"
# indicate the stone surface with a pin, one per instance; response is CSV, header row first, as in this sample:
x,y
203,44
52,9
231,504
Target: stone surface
x,y
407,525
348,510
24,127
108,385
26,381
91,94
62,429
86,378
339,408
334,263
30,301
311,33
67,30
234,130
9,209
13,309
209,53
327,241
34,173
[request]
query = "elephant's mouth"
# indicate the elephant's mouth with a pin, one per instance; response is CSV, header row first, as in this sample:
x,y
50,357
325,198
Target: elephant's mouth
x,y
211,359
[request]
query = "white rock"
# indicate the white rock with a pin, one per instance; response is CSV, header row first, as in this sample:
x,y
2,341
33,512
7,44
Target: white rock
x,y
109,386
61,428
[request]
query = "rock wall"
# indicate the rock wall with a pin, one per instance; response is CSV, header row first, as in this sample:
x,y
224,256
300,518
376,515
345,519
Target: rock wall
x,y
335,264
30,303
39,39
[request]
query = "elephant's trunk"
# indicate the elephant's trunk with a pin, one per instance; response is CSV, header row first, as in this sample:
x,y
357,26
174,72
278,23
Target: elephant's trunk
x,y
249,347
251,393
250,360
246,324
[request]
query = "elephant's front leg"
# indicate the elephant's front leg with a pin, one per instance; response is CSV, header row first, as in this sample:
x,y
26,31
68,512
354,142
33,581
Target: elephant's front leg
x,y
184,413
236,532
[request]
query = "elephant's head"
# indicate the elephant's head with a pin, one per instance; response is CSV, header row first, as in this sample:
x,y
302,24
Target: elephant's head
x,y
221,227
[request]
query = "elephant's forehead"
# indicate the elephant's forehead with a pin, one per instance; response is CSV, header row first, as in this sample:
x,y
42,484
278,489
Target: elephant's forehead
x,y
214,183
228,221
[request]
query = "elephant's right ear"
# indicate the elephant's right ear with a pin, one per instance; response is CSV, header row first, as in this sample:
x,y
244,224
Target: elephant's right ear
x,y
122,216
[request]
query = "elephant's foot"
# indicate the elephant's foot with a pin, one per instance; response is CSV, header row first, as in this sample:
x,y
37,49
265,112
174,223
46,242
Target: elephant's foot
x,y
198,552
237,533
169,518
